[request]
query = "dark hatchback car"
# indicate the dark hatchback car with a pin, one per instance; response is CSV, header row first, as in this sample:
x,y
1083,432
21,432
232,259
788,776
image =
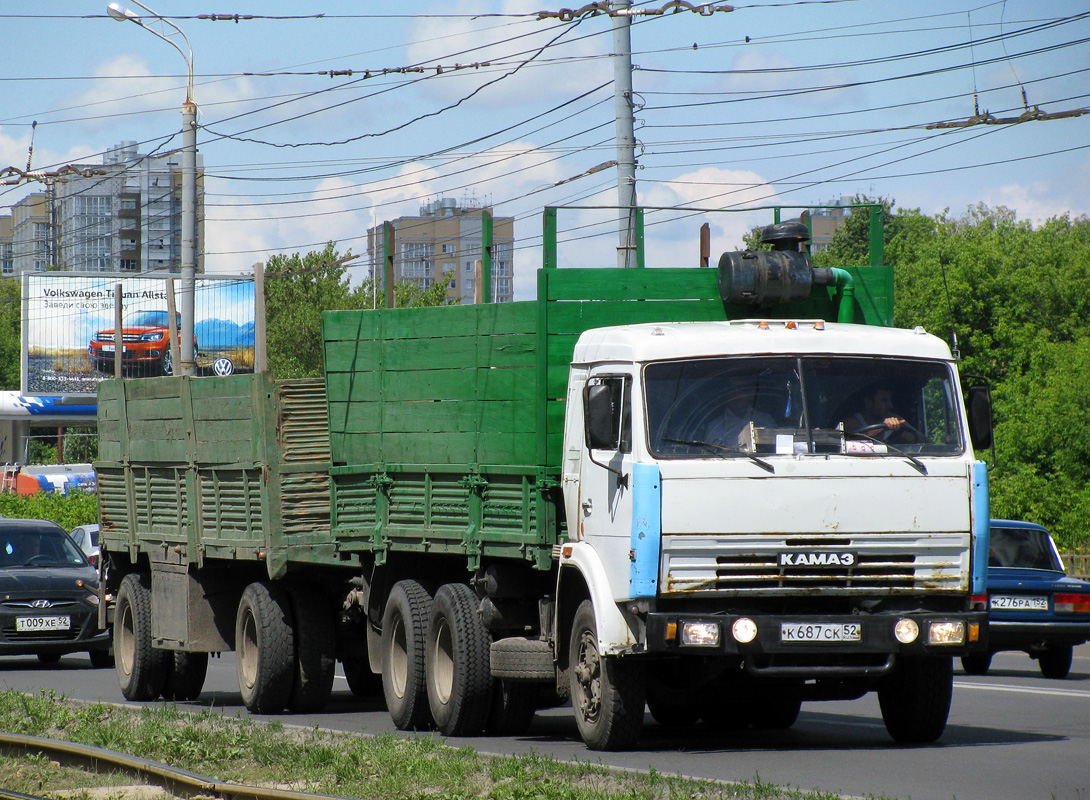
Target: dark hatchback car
x,y
48,595
1033,605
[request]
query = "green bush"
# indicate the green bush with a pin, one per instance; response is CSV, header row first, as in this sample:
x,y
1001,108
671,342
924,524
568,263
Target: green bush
x,y
67,510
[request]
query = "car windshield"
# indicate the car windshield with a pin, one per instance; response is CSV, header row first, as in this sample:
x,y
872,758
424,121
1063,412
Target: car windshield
x,y
37,547
701,408
1024,548
150,319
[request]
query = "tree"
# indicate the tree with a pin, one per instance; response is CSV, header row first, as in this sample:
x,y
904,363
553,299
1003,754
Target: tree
x,y
299,288
11,343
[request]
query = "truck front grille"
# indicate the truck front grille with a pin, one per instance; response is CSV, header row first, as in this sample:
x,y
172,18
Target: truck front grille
x,y
883,563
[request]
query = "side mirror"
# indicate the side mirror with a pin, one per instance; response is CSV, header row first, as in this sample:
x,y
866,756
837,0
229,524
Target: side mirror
x,y
601,422
978,403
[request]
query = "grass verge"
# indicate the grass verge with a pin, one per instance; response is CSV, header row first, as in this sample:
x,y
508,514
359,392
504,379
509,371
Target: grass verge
x,y
381,767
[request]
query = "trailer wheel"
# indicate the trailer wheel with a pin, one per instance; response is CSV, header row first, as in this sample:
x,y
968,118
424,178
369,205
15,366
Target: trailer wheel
x,y
514,704
141,669
315,651
976,663
1055,662
185,677
915,698
404,632
457,662
607,693
265,648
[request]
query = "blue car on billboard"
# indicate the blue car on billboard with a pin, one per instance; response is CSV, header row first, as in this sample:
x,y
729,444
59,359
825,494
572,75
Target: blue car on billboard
x,y
1033,605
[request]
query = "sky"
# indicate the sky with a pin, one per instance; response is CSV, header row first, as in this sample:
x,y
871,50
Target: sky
x,y
321,119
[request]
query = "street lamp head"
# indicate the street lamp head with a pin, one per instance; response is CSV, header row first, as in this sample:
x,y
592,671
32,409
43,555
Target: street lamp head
x,y
122,14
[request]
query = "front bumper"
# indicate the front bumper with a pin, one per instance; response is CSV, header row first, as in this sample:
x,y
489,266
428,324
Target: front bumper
x,y
873,653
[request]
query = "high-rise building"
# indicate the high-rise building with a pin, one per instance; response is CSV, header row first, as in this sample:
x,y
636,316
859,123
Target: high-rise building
x,y
7,249
447,237
123,215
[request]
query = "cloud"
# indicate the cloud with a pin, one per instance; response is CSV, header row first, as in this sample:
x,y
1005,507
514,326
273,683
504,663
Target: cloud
x,y
765,73
1037,201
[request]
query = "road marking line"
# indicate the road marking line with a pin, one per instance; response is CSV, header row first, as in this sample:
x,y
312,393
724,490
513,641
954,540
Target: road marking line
x,y
1003,687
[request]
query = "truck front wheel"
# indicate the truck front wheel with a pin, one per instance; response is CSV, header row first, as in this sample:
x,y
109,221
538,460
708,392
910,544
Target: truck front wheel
x,y
457,663
607,693
915,698
404,631
141,669
265,648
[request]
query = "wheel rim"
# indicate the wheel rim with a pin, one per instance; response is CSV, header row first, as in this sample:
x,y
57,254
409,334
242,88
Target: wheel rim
x,y
168,363
443,661
588,677
247,650
399,659
126,640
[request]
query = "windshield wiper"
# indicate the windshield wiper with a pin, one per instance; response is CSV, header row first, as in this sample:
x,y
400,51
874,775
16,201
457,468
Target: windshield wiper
x,y
919,465
723,449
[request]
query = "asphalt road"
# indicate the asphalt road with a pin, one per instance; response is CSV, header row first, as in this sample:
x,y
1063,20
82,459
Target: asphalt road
x,y
1012,734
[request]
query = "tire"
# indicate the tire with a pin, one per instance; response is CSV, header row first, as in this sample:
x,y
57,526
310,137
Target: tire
x,y
776,715
404,636
724,716
457,666
101,659
265,648
315,650
1055,662
976,663
915,698
362,682
141,669
166,364
607,693
48,658
514,704
672,715
185,678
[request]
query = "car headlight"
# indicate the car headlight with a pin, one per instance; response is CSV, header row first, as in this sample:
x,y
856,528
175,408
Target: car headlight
x,y
154,336
704,634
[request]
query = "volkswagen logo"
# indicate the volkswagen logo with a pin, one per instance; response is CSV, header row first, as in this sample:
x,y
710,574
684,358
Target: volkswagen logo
x,y
223,366
41,603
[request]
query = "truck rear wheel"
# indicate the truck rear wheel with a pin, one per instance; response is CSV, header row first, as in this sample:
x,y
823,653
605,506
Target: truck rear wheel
x,y
514,704
607,693
976,663
404,633
141,669
777,714
457,664
315,651
671,714
1055,662
265,648
915,698
185,676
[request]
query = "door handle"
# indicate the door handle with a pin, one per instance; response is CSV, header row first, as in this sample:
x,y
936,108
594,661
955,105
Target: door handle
x,y
588,506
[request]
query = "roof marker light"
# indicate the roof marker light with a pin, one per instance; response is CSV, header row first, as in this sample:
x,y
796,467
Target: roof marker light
x,y
762,325
819,325
791,325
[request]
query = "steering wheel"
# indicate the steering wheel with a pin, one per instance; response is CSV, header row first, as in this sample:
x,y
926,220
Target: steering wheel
x,y
881,426
41,558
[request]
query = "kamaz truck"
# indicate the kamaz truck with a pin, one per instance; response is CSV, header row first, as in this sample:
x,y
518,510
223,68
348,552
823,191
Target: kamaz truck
x,y
648,490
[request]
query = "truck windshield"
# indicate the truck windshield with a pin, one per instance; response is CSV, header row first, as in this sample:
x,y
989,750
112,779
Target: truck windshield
x,y
719,407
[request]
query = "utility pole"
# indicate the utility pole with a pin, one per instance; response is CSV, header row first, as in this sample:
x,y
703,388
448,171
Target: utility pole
x,y
626,132
621,14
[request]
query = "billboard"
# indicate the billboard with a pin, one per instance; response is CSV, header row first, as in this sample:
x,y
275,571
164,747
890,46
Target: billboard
x,y
68,328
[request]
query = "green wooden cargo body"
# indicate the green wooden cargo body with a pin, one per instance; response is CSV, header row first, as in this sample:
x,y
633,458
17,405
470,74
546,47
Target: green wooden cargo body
x,y
236,468
446,423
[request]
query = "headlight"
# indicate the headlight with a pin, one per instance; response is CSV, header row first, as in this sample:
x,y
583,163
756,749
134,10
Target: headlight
x,y
744,630
154,336
946,633
906,631
702,634
92,599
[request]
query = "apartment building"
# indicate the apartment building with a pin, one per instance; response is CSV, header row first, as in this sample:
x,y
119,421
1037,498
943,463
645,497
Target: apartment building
x,y
447,237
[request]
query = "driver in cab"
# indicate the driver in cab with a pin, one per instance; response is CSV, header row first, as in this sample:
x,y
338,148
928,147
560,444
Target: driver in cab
x,y
879,419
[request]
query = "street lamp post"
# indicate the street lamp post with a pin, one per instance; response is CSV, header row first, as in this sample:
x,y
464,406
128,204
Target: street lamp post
x,y
188,276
